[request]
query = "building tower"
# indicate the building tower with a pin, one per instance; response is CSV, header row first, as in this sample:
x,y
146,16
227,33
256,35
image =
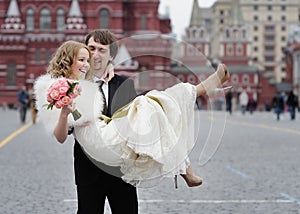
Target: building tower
x,y
235,52
196,42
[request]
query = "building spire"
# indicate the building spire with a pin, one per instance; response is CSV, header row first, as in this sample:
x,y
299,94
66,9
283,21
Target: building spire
x,y
196,18
13,9
236,14
75,9
13,18
74,19
124,61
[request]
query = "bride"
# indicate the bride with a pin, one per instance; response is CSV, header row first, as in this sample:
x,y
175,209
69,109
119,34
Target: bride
x,y
150,138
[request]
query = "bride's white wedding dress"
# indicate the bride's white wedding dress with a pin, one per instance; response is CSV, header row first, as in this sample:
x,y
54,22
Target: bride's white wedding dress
x,y
149,139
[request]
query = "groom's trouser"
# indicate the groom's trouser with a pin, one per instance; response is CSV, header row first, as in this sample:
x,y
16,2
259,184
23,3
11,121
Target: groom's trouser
x,y
94,185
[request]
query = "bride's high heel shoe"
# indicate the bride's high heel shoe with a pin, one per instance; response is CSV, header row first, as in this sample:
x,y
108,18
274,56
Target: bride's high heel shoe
x,y
190,178
214,81
223,73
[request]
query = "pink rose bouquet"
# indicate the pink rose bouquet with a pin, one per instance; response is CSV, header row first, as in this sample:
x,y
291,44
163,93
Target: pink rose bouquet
x,y
62,93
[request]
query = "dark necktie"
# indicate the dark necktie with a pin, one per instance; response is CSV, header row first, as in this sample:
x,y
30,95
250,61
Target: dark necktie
x,y
104,99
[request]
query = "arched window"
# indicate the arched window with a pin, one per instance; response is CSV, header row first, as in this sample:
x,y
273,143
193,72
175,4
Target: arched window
x,y
191,79
239,50
229,50
104,19
245,79
244,34
60,19
190,50
45,19
227,34
202,33
30,19
194,33
38,57
144,22
181,77
234,79
11,74
47,55
235,34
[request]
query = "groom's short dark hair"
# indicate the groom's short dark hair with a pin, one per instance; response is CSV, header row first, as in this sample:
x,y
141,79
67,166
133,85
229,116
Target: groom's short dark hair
x,y
105,37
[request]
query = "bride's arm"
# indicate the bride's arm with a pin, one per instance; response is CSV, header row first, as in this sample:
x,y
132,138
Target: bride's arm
x,y
61,130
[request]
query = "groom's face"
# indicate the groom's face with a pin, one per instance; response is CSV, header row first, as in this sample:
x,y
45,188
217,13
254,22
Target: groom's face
x,y
101,56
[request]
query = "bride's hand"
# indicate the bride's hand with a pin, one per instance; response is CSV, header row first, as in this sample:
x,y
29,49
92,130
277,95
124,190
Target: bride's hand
x,y
109,72
66,110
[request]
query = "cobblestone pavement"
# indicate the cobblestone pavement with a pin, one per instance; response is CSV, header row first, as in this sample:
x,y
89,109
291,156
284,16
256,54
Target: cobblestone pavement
x,y
254,170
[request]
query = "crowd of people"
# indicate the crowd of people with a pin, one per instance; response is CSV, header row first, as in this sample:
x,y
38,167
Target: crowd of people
x,y
243,101
281,102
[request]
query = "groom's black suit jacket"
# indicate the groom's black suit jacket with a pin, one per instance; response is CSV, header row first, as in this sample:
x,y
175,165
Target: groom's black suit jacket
x,y
87,171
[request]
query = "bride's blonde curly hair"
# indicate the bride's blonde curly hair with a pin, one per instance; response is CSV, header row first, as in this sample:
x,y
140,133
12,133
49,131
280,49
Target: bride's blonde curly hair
x,y
65,56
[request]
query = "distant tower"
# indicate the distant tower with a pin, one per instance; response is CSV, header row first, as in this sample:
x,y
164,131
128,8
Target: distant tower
x,y
13,22
235,39
75,25
235,43
145,35
196,42
13,51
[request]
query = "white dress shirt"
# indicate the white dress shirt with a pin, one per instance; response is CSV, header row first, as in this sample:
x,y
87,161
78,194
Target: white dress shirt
x,y
104,88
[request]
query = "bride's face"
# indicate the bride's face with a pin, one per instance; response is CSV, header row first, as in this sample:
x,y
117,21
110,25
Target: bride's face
x,y
81,64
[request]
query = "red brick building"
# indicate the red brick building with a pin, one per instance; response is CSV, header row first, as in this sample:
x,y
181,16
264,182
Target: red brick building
x,y
32,30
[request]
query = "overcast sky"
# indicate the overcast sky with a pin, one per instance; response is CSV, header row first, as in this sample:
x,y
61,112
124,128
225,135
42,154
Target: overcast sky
x,y
180,12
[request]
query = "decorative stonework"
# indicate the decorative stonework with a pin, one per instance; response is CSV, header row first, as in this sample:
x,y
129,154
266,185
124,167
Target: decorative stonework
x,y
75,23
13,20
12,23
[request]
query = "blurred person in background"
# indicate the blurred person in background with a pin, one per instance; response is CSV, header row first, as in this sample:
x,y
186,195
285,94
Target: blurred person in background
x,y
32,106
292,103
23,99
228,98
244,99
278,104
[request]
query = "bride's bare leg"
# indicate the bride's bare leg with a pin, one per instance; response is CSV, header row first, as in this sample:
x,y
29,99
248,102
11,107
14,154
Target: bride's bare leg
x,y
191,178
214,81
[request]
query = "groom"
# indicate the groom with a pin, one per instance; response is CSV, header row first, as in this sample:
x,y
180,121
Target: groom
x,y
95,181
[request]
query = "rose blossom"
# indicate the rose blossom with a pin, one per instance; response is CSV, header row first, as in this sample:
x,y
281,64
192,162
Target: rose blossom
x,y
54,94
63,90
66,100
59,104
